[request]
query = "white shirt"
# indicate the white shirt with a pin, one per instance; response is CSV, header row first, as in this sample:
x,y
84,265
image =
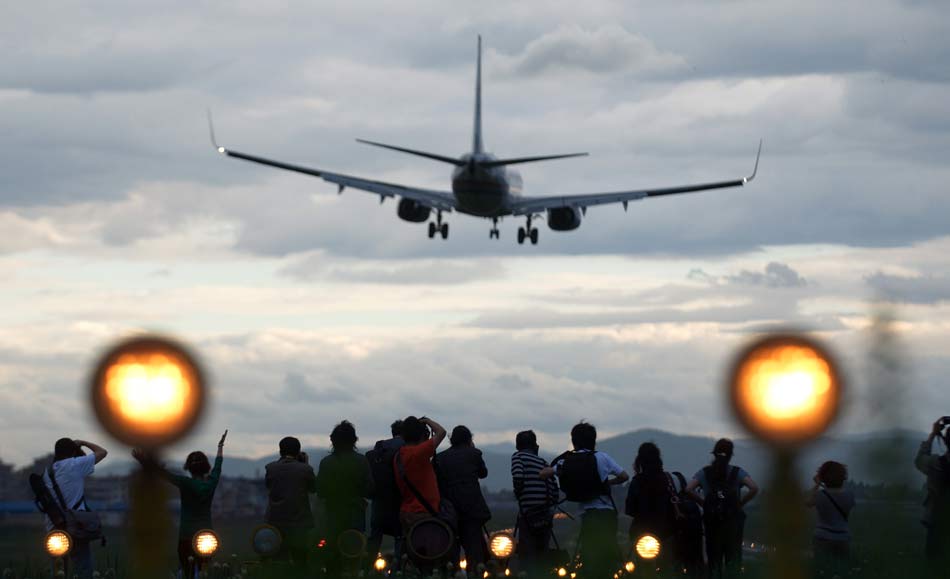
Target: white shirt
x,y
71,476
606,467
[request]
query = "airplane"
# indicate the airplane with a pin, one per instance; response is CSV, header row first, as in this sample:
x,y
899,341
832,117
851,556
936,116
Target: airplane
x,y
483,185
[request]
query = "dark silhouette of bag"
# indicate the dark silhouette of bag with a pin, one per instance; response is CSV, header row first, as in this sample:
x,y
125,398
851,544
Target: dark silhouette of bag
x,y
654,505
689,527
81,525
44,501
386,495
579,476
721,501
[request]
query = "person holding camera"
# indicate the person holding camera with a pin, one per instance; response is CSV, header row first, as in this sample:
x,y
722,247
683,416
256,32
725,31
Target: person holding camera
x,y
937,504
415,475
290,481
66,480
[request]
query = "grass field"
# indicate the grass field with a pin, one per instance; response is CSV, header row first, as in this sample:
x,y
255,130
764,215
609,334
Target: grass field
x,y
888,543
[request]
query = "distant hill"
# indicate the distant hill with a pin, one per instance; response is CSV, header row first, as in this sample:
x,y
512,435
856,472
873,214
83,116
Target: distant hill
x,y
867,456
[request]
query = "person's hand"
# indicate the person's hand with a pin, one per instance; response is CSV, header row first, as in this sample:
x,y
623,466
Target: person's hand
x,y
816,479
938,427
84,443
221,442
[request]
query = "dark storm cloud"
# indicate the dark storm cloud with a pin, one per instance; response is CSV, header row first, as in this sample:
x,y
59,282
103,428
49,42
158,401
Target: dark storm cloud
x,y
924,289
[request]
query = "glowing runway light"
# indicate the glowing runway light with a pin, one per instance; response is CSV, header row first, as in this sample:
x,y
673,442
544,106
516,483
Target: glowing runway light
x,y
380,564
629,567
562,572
648,547
205,543
502,545
463,564
786,389
58,544
148,391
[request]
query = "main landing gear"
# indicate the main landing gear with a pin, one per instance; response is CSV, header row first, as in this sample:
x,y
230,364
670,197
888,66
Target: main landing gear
x,y
528,232
494,233
438,226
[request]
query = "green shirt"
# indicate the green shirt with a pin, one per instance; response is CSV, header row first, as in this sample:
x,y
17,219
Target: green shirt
x,y
196,497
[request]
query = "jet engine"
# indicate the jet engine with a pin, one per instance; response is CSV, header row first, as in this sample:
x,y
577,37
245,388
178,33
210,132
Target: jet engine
x,y
564,218
409,210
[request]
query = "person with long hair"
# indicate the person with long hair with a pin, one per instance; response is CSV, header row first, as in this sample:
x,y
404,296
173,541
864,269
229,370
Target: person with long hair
x,y
197,493
723,502
652,500
833,504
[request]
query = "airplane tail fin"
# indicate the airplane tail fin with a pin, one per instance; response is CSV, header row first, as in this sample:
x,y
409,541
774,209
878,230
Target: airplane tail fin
x,y
425,154
477,144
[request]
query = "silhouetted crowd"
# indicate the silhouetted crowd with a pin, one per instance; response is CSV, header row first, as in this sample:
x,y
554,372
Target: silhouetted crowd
x,y
431,504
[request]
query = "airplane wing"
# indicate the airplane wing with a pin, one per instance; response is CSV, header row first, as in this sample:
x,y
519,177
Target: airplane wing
x,y
438,200
530,205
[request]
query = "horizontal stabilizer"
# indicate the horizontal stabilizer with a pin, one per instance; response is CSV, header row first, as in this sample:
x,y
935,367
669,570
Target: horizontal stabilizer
x,y
500,162
442,158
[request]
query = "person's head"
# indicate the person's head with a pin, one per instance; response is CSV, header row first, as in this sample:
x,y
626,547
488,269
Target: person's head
x,y
414,431
584,436
527,440
648,459
343,438
722,454
396,428
289,447
66,448
461,436
833,474
197,464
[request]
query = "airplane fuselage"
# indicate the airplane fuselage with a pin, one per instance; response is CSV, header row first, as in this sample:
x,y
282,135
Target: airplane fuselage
x,y
484,191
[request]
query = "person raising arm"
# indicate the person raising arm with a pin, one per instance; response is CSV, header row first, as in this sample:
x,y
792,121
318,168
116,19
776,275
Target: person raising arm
x,y
99,452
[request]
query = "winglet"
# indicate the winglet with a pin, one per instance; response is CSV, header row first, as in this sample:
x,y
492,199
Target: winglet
x,y
214,141
755,169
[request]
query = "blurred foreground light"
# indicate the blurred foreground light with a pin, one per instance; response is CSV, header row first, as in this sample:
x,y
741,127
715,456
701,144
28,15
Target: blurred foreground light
x,y
58,544
148,391
463,564
629,567
502,545
562,572
266,541
380,564
786,389
205,543
648,547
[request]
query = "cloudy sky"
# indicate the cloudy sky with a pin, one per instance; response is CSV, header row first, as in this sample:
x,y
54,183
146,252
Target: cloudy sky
x,y
117,215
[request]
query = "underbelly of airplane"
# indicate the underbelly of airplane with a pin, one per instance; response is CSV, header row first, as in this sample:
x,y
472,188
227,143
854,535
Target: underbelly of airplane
x,y
477,199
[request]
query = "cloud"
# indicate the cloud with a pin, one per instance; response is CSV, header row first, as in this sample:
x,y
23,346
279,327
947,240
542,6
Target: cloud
x,y
316,266
298,389
609,49
922,289
776,275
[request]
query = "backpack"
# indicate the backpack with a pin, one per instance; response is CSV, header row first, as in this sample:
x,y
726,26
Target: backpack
x,y
722,497
579,476
44,501
386,497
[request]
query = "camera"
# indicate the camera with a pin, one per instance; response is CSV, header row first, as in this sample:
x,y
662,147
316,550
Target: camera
x,y
945,421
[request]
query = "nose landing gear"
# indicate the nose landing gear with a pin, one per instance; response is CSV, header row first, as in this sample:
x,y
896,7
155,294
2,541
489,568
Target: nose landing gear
x,y
528,232
494,233
438,227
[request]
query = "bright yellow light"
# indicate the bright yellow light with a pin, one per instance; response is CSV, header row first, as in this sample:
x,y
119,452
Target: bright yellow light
x,y
648,547
380,564
148,392
507,572
485,575
463,564
562,572
205,543
58,544
502,545
785,389
629,567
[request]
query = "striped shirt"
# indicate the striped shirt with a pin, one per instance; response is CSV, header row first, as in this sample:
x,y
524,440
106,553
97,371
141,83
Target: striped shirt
x,y
525,467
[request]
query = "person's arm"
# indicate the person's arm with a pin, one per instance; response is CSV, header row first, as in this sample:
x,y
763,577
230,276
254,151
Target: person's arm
x,y
924,459
546,473
750,494
615,473
438,433
97,450
517,475
811,497
218,460
482,469
691,491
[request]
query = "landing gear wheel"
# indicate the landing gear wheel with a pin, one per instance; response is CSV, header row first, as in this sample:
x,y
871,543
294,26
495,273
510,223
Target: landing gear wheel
x,y
534,236
431,230
521,235
444,230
